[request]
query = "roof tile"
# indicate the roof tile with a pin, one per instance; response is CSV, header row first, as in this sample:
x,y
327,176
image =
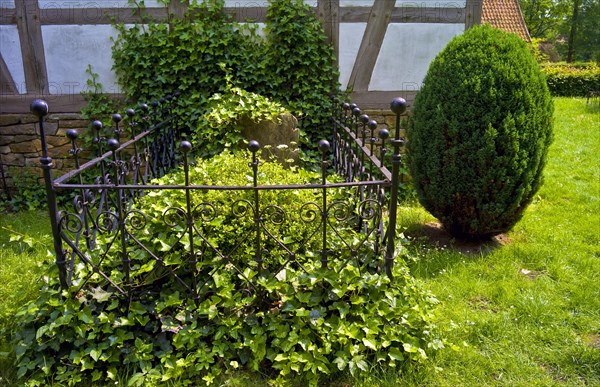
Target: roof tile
x,y
505,15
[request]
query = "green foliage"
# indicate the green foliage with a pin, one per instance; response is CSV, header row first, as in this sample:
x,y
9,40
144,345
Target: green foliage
x,y
296,48
209,53
572,79
29,193
480,133
299,323
100,106
221,126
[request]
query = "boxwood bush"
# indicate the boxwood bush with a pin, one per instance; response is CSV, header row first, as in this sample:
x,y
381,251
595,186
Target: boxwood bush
x,y
572,79
300,325
481,127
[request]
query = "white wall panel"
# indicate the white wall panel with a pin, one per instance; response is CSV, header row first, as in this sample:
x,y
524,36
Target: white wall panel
x,y
406,53
7,3
69,50
350,38
10,47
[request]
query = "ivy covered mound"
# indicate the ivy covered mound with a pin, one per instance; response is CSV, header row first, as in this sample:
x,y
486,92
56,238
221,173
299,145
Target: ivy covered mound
x,y
301,323
481,128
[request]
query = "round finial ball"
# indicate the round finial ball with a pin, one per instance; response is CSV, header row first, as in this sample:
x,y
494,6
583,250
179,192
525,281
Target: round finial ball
x,y
154,103
97,125
169,97
398,105
162,100
113,144
346,106
130,113
253,146
116,118
39,108
144,107
353,106
324,146
185,146
177,94
372,124
384,134
72,134
356,111
363,118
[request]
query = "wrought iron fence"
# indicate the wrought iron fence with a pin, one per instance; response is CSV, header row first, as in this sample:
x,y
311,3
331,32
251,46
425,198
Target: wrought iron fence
x,y
105,219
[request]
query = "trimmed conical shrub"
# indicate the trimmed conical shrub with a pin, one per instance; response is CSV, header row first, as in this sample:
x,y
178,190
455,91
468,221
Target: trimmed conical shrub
x,y
480,132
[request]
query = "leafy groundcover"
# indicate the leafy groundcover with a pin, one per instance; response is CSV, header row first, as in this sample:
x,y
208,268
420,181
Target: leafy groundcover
x,y
292,322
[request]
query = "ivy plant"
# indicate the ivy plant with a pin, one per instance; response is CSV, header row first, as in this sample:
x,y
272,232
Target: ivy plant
x,y
205,52
300,322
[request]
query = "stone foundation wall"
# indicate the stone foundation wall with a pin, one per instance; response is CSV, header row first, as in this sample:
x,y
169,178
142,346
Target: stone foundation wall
x,y
20,145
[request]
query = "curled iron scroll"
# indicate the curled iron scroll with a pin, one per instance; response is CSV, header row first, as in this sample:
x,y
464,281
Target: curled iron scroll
x,y
309,212
70,222
369,209
241,208
174,216
107,221
205,212
274,214
136,220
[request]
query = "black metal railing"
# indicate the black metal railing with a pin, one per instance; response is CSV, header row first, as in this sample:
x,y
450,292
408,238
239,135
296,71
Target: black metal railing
x,y
104,216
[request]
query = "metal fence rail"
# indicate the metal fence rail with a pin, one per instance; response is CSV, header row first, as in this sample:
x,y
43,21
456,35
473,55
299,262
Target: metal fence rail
x,y
105,219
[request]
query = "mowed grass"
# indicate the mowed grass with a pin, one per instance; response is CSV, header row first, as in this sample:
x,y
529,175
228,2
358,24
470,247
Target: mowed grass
x,y
523,313
24,245
527,312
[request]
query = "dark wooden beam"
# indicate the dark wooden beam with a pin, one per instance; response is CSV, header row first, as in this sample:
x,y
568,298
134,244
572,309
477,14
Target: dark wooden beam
x,y
98,15
379,18
95,16
376,100
178,8
406,15
7,83
328,12
32,45
64,103
8,16
473,13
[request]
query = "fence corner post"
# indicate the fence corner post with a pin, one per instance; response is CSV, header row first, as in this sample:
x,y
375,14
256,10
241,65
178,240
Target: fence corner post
x,y
39,108
398,107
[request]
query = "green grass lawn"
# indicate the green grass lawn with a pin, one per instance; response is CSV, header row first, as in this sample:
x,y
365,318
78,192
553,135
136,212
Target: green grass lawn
x,y
521,313
527,312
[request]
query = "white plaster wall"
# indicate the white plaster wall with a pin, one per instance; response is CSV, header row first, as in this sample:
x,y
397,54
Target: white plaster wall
x,y
406,53
350,39
10,47
7,3
69,50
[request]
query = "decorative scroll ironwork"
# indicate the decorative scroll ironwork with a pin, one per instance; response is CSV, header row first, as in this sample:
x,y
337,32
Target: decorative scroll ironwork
x,y
104,221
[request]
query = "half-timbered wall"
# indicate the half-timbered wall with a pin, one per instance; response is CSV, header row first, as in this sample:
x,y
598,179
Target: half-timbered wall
x,y
384,47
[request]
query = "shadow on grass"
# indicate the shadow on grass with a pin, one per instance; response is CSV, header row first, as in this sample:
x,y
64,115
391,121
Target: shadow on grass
x,y
434,235
432,250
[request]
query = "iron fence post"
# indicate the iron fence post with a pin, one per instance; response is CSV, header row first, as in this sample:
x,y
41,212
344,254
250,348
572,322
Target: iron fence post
x,y
254,146
185,148
39,108
324,148
398,106
113,145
